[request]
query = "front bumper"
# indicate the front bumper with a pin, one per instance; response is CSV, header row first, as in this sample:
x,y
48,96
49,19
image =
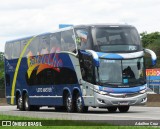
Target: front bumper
x,y
106,100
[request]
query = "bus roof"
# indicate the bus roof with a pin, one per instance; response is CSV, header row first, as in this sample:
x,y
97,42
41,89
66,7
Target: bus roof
x,y
25,38
103,25
75,26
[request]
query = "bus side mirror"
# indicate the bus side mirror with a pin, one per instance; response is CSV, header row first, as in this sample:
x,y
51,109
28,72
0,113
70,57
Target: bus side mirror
x,y
153,56
95,57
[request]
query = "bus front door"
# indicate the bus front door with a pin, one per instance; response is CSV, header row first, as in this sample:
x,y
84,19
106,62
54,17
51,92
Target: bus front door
x,y
87,71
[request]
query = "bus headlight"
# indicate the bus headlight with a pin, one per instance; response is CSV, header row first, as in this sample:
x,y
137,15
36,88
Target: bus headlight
x,y
100,92
103,93
142,91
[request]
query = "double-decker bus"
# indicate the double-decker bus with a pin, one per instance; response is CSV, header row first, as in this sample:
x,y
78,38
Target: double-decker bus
x,y
77,67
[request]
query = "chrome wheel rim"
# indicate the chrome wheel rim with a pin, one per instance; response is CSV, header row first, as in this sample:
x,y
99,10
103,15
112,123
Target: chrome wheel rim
x,y
69,102
79,102
20,102
26,103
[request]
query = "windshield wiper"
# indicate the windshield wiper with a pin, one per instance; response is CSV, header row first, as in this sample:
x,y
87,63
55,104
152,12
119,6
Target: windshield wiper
x,y
107,83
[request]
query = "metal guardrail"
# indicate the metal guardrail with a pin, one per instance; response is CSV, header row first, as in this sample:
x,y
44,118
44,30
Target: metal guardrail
x,y
2,93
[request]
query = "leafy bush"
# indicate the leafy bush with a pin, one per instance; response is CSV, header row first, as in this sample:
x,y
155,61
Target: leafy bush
x,y
152,41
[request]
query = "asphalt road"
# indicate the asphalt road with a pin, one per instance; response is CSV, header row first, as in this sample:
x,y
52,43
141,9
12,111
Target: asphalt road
x,y
135,113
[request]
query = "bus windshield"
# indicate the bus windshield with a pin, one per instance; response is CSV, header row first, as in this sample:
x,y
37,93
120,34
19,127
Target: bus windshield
x,y
111,39
121,72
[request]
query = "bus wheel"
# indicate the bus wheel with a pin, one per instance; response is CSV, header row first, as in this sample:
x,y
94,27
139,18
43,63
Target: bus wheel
x,y
69,103
123,108
112,109
27,106
20,104
26,103
79,105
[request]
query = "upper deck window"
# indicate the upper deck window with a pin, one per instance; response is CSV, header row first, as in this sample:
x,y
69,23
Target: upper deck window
x,y
68,41
44,44
12,50
8,51
82,38
116,39
55,42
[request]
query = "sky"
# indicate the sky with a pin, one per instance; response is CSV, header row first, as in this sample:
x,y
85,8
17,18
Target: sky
x,y
22,18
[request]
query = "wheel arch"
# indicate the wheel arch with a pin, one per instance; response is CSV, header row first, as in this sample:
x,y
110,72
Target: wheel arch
x,y
65,92
23,93
75,92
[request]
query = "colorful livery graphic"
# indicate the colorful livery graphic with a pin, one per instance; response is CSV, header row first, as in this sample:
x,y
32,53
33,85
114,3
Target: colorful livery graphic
x,y
77,67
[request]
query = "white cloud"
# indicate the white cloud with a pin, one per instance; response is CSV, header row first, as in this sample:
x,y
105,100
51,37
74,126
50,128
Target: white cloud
x,y
28,17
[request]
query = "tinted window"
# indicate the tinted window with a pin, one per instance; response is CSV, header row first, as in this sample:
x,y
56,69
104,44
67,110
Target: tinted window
x,y
44,44
23,44
67,41
45,77
86,64
117,35
8,50
82,39
66,76
16,50
33,47
117,39
55,42
52,77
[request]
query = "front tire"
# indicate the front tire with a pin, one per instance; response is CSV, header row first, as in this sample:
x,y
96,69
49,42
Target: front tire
x,y
123,108
79,105
112,109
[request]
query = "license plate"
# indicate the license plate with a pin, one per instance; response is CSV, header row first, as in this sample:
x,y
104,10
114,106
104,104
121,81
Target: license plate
x,y
123,103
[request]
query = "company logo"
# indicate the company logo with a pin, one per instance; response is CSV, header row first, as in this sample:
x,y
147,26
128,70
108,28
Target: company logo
x,y
42,62
21,123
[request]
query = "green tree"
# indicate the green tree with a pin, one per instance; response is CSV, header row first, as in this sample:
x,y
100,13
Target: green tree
x,y
1,56
150,38
155,46
151,41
